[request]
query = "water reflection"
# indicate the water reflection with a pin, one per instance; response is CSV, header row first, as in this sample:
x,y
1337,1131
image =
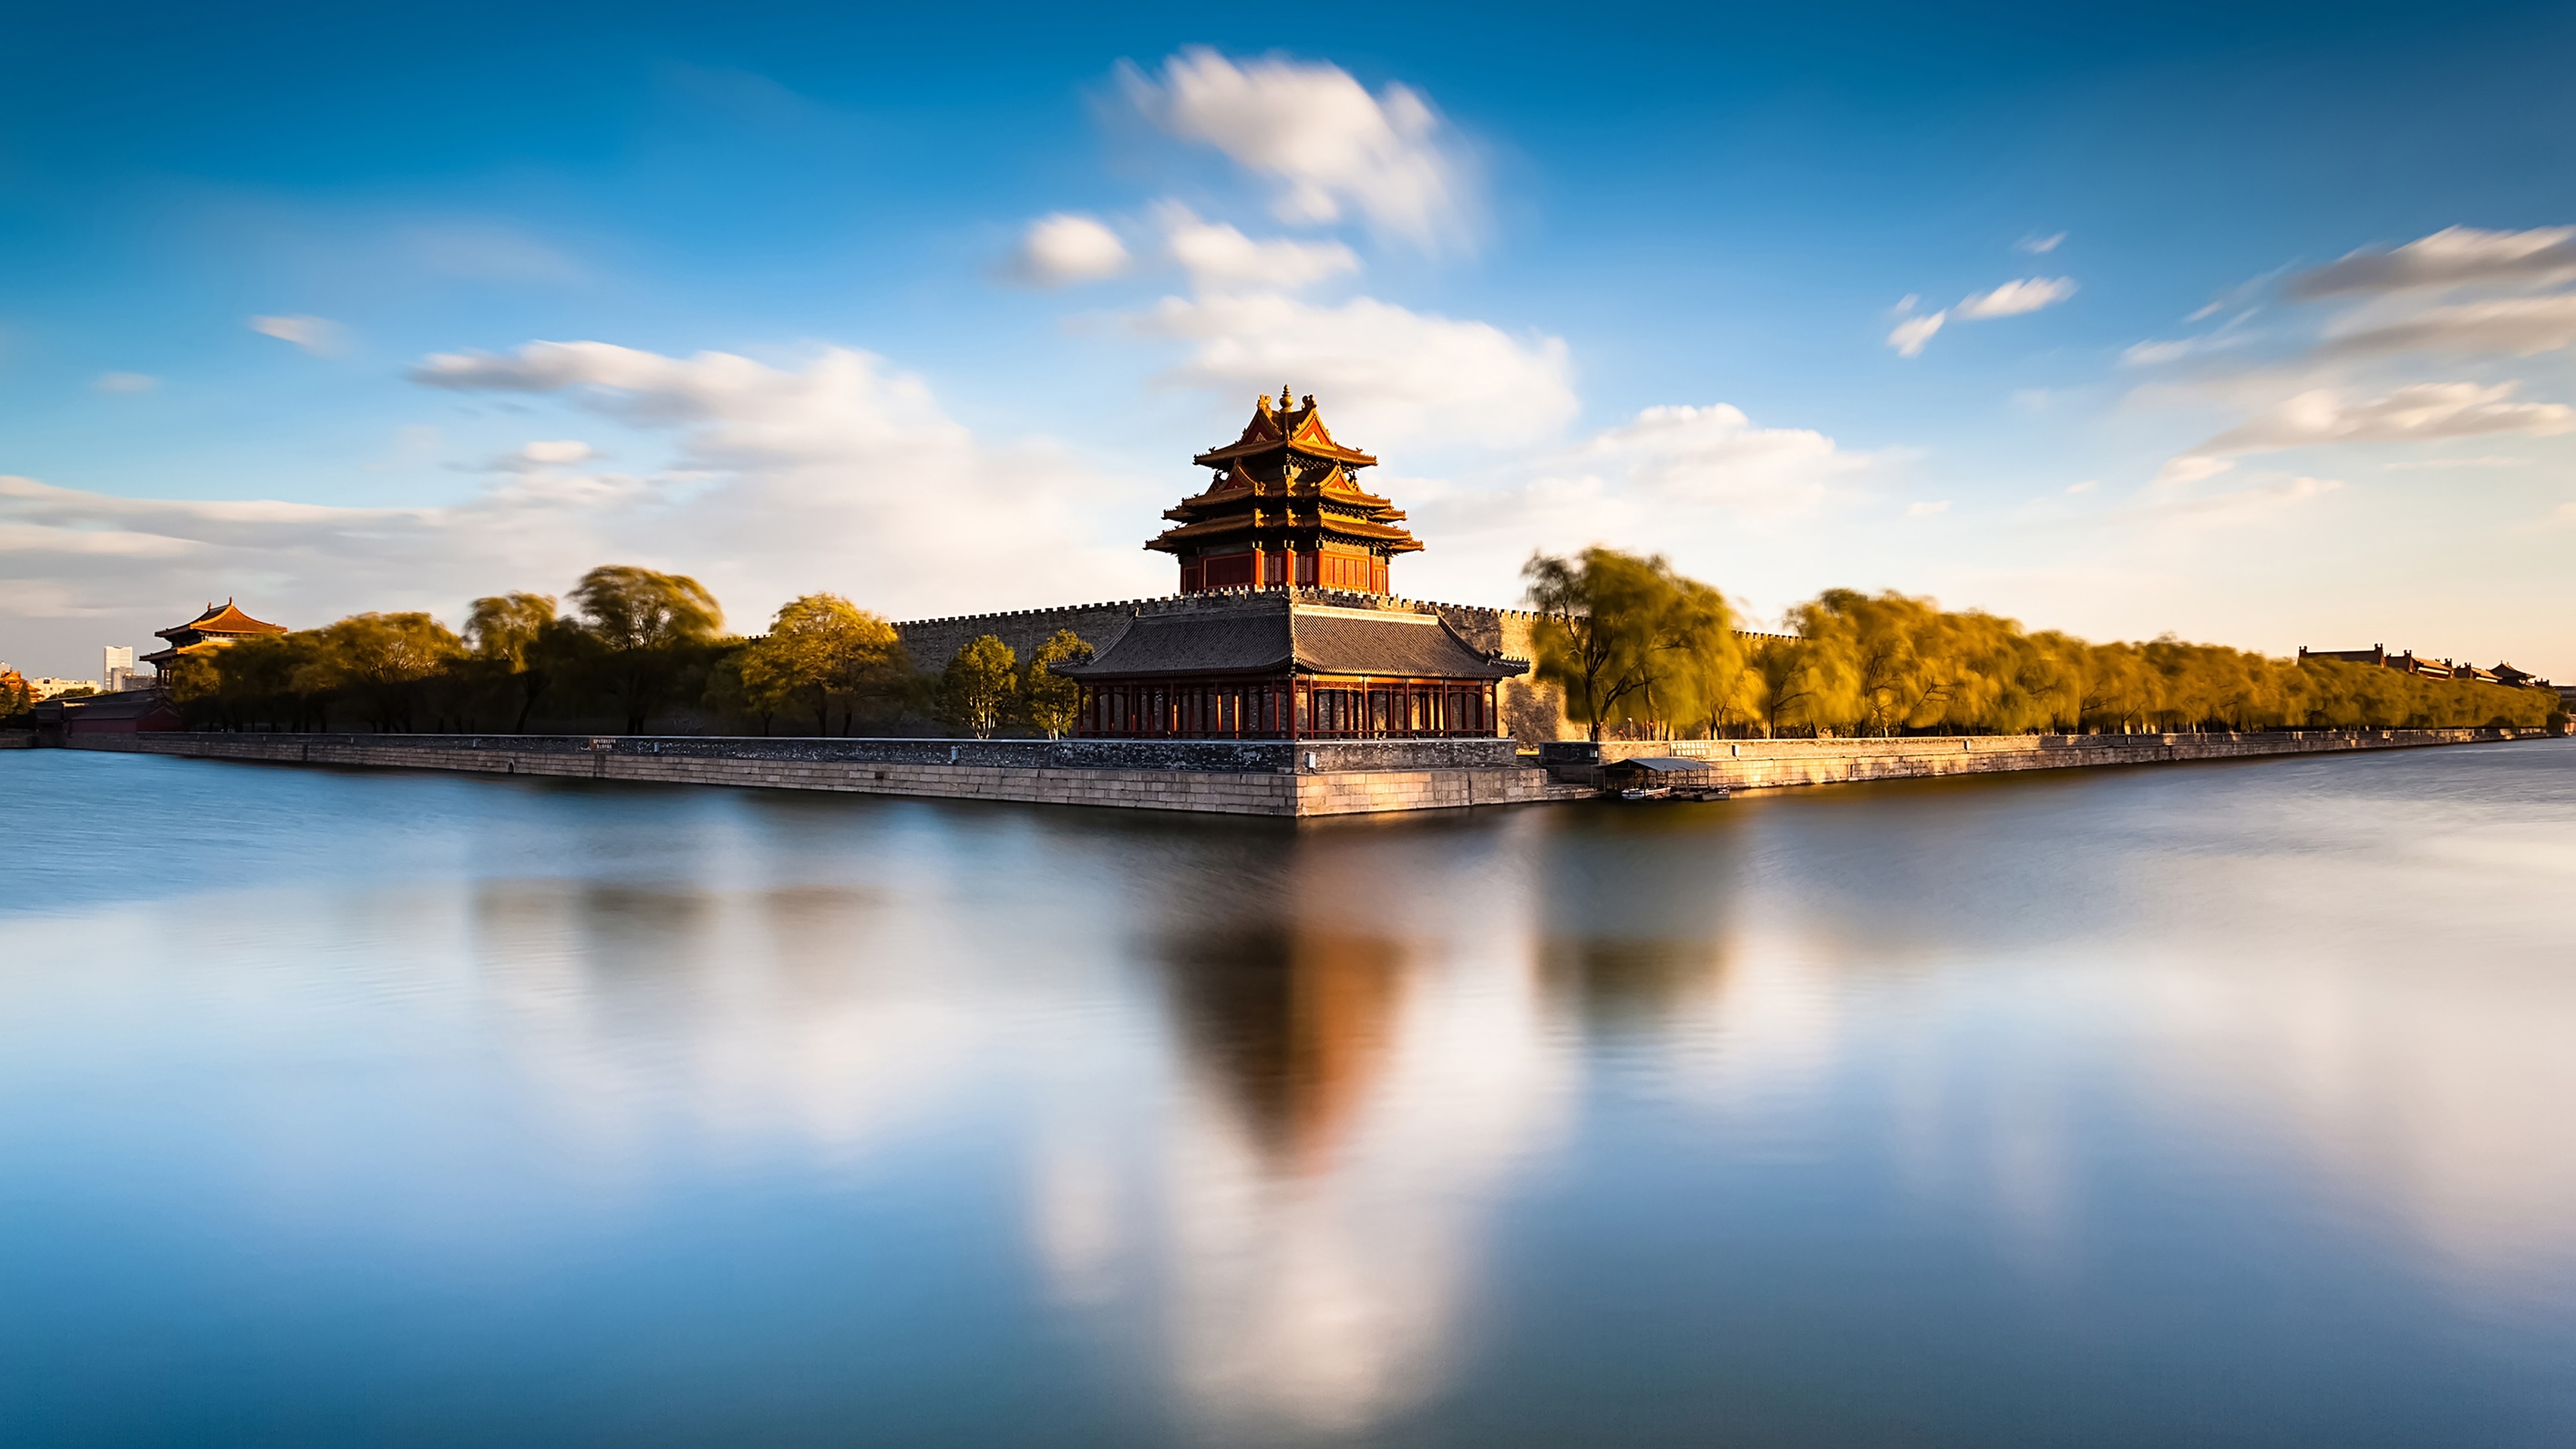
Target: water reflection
x,y
1238,1132
1366,1096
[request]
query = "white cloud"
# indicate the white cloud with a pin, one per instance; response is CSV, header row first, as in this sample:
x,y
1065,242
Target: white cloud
x,y
1715,455
2174,506
2453,256
1319,133
2515,326
2017,297
2087,486
1065,248
318,335
2189,469
1925,508
2039,245
2487,461
839,473
555,453
1216,255
2416,413
1910,335
1386,375
1691,480
125,382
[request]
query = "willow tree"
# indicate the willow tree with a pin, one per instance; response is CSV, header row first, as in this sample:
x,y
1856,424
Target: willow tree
x,y
647,628
1054,701
1601,615
822,650
509,633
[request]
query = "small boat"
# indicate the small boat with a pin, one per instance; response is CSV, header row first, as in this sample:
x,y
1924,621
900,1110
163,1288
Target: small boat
x,y
1658,793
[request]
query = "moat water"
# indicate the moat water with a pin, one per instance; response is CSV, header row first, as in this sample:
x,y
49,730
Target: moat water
x,y
2225,1104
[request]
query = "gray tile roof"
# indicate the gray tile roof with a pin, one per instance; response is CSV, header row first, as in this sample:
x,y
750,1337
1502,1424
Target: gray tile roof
x,y
1265,637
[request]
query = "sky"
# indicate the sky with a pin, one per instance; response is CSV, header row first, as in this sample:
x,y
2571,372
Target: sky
x,y
2250,324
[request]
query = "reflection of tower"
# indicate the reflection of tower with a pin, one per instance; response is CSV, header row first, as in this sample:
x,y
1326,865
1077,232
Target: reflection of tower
x,y
1293,1025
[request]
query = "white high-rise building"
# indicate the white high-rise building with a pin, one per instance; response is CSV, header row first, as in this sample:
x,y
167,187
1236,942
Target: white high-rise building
x,y
116,669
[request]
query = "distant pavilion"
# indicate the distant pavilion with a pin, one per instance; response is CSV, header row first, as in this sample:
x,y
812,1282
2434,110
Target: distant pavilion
x,y
220,625
1285,628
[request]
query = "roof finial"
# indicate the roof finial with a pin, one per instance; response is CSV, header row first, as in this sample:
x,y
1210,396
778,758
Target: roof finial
x,y
1283,397
1309,401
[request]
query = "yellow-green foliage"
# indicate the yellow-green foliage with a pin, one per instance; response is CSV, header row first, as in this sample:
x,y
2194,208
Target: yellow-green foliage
x,y
821,650
1054,701
1637,646
977,688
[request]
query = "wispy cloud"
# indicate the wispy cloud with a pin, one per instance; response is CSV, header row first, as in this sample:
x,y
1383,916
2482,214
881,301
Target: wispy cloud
x,y
125,382
2417,413
2453,256
2040,245
317,335
2012,299
2510,326
1909,336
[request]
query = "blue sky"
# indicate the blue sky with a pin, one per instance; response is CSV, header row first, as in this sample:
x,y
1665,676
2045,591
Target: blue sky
x,y
333,309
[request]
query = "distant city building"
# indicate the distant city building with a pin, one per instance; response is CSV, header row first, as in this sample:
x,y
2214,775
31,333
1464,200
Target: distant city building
x,y
45,686
220,625
116,671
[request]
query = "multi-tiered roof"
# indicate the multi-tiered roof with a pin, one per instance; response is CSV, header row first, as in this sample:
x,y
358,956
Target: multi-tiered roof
x,y
1283,509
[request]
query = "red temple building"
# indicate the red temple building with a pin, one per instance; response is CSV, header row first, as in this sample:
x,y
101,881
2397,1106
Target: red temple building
x,y
1283,510
219,625
1284,629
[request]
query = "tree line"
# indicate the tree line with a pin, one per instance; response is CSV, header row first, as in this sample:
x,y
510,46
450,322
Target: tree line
x,y
1642,651
633,645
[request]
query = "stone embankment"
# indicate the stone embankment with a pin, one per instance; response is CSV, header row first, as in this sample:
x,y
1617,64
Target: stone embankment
x,y
1247,777
1230,777
1775,764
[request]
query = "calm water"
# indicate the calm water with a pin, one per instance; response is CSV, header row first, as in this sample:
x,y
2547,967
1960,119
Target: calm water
x,y
2215,1104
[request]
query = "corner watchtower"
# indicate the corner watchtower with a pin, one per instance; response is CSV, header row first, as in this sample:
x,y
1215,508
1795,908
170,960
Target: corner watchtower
x,y
1283,511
